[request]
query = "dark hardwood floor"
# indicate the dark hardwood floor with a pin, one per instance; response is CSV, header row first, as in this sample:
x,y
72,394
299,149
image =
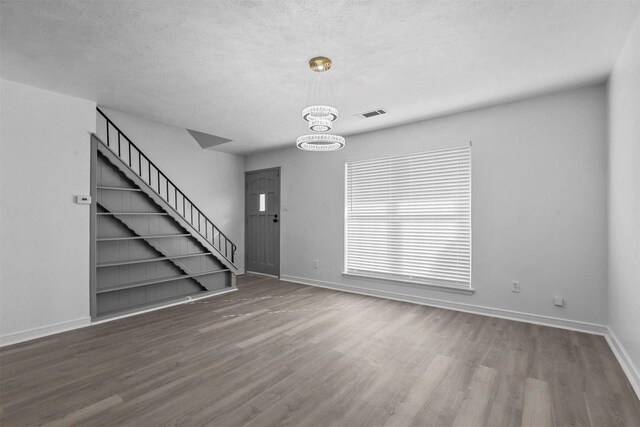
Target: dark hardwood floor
x,y
276,353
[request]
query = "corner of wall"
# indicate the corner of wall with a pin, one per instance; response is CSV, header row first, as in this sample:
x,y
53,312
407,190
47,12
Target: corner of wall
x,y
623,199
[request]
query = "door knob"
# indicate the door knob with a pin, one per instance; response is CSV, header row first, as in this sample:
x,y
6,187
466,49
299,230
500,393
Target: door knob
x,y
275,218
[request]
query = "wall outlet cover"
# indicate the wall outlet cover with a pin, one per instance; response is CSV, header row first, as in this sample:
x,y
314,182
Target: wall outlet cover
x,y
515,286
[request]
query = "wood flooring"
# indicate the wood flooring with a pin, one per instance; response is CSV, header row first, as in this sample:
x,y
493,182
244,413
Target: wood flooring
x,y
281,354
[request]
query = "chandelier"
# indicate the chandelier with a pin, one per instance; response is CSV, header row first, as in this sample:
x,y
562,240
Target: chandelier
x,y
319,114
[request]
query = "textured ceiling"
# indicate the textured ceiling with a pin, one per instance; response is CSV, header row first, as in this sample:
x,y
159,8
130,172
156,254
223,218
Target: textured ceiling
x,y
239,68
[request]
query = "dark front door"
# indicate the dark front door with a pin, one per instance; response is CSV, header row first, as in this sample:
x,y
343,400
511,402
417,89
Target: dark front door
x,y
262,221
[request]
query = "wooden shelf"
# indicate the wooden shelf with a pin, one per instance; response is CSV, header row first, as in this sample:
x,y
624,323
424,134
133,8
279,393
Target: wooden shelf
x,y
100,187
141,261
155,281
161,236
132,213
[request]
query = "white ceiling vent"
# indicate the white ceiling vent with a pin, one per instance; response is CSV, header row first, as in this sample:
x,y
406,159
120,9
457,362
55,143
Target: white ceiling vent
x,y
372,113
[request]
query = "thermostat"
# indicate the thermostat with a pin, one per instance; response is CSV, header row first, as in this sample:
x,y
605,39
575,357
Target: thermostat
x,y
83,200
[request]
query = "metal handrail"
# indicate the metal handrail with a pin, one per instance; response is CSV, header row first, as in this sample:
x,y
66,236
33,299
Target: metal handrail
x,y
189,209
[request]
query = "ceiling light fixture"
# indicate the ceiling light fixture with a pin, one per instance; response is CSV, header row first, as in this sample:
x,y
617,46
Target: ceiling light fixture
x,y
319,114
320,142
320,125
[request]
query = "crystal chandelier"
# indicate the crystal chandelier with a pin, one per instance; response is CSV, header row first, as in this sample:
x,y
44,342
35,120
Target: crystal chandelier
x,y
319,114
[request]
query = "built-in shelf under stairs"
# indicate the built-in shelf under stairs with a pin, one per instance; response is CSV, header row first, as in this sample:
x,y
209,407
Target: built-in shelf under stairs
x,y
150,247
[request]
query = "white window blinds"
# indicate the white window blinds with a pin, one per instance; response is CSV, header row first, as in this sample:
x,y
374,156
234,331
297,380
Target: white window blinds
x,y
409,217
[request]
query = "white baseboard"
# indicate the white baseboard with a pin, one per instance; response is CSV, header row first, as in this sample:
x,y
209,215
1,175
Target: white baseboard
x,y
254,273
632,372
43,331
573,325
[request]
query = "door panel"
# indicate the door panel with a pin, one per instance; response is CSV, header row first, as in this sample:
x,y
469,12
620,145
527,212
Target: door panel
x,y
262,221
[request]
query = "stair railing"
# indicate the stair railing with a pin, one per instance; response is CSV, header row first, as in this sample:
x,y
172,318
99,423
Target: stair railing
x,y
142,166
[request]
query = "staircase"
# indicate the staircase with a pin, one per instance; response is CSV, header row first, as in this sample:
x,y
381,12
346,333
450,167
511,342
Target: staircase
x,y
151,246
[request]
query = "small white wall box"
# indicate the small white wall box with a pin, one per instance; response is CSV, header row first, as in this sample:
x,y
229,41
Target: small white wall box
x,y
83,200
558,301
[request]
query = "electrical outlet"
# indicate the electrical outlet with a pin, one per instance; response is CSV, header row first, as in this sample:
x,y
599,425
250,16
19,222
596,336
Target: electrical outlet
x,y
315,263
515,286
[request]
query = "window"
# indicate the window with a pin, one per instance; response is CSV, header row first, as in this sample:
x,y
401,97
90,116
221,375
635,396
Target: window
x,y
408,218
263,203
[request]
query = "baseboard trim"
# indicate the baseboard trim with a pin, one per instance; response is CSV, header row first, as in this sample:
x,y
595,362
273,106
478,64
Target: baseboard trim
x,y
630,370
573,325
43,331
162,306
254,273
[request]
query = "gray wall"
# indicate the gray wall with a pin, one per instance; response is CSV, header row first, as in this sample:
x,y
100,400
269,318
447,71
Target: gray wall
x,y
213,180
624,199
44,235
539,202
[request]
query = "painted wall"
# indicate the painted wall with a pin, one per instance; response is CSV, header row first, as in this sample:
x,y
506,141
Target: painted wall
x,y
44,235
539,203
624,199
213,180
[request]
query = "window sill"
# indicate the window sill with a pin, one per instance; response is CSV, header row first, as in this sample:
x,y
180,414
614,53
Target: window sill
x,y
415,284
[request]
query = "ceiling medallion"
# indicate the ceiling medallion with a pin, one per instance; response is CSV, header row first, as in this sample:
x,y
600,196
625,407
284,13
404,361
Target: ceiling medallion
x,y
320,64
319,114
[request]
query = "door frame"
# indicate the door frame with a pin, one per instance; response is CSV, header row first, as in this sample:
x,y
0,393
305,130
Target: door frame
x,y
246,218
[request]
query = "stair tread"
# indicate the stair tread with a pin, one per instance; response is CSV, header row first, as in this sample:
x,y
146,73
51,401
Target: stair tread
x,y
157,280
144,260
105,187
156,236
